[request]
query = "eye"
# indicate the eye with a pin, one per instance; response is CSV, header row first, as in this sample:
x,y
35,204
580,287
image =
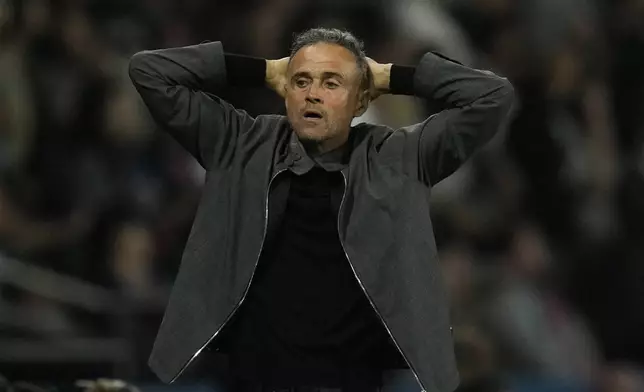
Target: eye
x,y
301,83
332,85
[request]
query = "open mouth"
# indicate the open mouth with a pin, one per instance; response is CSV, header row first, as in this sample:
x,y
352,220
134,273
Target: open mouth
x,y
312,115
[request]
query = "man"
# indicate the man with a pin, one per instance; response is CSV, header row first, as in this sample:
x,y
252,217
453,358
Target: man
x,y
312,261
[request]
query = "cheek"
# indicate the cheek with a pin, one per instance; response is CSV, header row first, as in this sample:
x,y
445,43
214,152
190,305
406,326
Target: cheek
x,y
342,97
290,103
341,106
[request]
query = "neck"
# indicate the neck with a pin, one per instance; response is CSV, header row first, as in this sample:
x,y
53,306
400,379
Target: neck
x,y
314,148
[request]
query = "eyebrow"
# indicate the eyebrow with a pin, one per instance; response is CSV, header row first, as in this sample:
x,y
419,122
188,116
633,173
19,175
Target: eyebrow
x,y
325,75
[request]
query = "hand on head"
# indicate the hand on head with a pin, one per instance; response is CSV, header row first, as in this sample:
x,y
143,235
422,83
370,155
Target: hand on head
x,y
379,78
276,75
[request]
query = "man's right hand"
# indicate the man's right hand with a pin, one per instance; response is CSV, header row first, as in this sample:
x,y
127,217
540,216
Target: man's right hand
x,y
276,75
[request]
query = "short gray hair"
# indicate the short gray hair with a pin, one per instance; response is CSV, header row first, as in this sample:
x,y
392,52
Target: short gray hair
x,y
338,37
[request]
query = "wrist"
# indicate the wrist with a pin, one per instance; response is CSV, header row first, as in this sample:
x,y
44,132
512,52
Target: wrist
x,y
270,70
382,77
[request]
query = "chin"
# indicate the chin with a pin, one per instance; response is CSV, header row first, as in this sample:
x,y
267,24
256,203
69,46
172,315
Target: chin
x,y
311,134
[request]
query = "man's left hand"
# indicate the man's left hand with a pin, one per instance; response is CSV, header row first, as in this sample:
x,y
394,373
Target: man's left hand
x,y
276,75
380,82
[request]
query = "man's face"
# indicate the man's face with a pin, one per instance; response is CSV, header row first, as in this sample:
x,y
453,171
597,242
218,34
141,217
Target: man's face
x,y
323,94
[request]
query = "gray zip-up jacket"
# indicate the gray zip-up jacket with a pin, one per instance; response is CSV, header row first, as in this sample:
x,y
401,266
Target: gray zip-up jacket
x,y
384,219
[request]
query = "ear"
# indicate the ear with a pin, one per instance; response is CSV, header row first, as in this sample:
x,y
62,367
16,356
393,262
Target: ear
x,y
363,103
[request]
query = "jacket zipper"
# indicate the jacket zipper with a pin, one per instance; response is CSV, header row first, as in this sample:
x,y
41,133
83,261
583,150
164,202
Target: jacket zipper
x,y
373,305
232,313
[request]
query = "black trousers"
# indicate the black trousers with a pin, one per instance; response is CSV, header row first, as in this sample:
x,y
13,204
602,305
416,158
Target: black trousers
x,y
212,369
254,387
353,382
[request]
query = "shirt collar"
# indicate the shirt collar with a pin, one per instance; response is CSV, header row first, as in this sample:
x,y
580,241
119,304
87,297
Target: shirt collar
x,y
302,162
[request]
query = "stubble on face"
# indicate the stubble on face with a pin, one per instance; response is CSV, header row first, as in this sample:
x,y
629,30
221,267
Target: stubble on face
x,y
321,95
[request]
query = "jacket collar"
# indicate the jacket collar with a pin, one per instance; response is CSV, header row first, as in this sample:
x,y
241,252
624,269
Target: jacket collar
x,y
300,162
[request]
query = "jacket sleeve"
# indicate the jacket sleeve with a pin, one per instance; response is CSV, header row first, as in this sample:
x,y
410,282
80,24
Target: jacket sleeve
x,y
178,86
475,105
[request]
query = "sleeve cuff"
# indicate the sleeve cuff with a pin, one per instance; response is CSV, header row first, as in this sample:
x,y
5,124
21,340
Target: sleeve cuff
x,y
401,80
245,71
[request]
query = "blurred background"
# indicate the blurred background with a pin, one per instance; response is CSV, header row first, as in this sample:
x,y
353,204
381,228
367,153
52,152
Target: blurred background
x,y
541,233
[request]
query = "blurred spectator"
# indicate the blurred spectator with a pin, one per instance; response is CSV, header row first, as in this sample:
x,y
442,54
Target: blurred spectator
x,y
475,351
621,377
537,332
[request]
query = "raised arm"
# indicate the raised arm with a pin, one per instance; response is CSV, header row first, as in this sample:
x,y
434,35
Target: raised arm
x,y
475,105
179,86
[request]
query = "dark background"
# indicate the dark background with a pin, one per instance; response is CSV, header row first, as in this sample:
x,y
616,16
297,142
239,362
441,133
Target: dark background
x,y
541,234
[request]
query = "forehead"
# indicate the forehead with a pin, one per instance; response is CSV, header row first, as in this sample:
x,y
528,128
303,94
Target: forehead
x,y
324,57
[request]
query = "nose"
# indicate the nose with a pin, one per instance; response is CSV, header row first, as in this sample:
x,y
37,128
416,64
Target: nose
x,y
313,94
311,99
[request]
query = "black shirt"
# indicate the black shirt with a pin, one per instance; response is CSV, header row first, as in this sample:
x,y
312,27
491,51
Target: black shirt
x,y
306,319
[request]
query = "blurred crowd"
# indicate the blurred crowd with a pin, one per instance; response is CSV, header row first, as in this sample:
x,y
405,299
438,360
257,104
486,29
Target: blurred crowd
x,y
540,233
